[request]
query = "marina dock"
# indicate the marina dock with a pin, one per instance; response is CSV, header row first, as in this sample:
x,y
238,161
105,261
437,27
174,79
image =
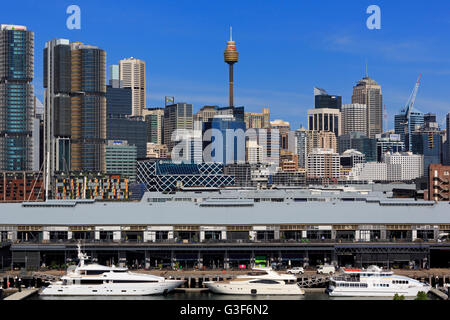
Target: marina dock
x,y
20,295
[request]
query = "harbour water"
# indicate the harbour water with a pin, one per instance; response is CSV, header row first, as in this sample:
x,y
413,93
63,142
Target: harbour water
x,y
211,296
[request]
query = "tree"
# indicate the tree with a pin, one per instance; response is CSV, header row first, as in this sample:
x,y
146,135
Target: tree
x,y
421,296
399,297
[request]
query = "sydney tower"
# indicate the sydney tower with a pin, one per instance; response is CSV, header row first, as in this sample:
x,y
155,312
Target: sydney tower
x,y
231,57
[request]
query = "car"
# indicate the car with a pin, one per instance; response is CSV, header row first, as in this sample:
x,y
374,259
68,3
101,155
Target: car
x,y
326,269
296,270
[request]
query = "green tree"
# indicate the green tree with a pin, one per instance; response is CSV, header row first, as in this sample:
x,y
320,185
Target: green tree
x,y
421,296
399,297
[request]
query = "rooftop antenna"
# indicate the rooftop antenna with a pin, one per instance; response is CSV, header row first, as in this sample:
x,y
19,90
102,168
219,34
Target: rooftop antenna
x,y
367,73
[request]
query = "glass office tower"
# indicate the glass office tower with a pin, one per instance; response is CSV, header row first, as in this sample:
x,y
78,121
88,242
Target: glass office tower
x,y
16,98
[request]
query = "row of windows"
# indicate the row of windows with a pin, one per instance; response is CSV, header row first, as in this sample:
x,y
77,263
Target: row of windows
x,y
353,285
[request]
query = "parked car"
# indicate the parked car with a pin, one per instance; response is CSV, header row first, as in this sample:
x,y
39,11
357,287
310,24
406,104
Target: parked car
x,y
326,269
296,270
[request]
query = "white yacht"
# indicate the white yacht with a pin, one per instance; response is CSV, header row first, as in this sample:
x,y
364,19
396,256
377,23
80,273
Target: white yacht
x,y
94,279
264,282
373,282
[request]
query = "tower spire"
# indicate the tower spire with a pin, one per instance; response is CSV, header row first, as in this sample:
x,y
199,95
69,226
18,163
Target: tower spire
x,y
367,73
231,33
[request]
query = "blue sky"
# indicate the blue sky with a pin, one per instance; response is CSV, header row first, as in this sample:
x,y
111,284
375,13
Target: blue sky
x,y
286,48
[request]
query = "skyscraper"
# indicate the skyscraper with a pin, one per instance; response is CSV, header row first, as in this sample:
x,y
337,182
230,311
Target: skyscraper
x,y
324,119
354,118
154,117
58,110
176,117
231,57
368,92
447,143
257,120
401,124
301,144
16,98
132,74
323,100
88,103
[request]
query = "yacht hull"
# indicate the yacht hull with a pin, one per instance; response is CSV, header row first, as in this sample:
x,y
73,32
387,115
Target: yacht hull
x,y
112,289
410,292
254,289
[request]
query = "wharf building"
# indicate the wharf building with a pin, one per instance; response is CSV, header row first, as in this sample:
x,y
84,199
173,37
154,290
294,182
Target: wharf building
x,y
165,176
358,141
367,91
199,228
132,75
323,100
16,98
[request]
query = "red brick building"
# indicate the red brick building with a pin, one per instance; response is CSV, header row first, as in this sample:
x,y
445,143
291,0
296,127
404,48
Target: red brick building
x,y
438,183
21,186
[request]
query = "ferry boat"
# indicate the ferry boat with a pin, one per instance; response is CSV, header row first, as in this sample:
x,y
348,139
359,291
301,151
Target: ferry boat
x,y
373,282
264,282
95,279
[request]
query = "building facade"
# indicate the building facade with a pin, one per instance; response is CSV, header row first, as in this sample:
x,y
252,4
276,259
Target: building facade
x,y
258,120
323,163
438,183
360,142
388,142
154,118
121,159
354,118
16,98
176,117
132,75
325,119
367,91
130,129
323,100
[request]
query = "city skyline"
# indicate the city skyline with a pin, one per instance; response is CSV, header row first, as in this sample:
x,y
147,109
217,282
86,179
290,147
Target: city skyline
x,y
285,82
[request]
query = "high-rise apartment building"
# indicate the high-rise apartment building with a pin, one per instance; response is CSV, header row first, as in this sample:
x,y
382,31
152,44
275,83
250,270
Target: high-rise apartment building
x,y
323,163
325,119
58,106
257,120
88,108
176,117
154,118
321,140
301,146
254,152
353,118
132,75
16,98
323,100
402,166
368,92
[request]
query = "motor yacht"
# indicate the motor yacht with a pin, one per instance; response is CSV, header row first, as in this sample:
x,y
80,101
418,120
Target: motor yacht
x,y
261,281
373,282
95,279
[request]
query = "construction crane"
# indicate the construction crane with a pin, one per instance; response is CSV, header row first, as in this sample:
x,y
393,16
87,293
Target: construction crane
x,y
408,109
